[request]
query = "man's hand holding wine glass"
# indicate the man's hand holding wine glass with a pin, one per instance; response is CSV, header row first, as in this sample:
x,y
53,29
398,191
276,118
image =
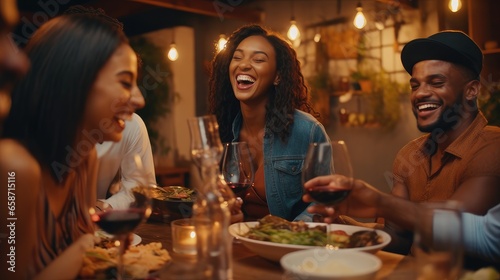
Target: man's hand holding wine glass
x,y
362,202
321,161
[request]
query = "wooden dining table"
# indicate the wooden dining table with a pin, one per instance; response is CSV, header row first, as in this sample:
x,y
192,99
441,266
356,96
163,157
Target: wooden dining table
x,y
248,265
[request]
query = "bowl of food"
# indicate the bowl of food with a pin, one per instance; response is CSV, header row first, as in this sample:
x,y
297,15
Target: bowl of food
x,y
172,202
272,237
323,264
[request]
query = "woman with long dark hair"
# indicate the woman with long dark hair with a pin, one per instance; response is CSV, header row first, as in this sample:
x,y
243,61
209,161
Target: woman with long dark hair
x,y
76,93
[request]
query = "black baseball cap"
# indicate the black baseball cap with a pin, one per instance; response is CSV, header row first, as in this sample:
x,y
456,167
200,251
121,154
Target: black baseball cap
x,y
450,45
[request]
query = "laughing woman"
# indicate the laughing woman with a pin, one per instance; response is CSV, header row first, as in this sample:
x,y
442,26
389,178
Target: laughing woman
x,y
258,94
76,93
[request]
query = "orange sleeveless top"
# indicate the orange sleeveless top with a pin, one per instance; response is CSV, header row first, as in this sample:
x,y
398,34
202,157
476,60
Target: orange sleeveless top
x,y
55,234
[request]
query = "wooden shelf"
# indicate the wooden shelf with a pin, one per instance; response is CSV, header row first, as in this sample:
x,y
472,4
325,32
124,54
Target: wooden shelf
x,y
492,51
483,22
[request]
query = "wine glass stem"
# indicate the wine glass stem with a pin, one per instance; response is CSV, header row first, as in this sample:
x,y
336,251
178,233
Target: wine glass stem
x,y
329,244
121,252
237,239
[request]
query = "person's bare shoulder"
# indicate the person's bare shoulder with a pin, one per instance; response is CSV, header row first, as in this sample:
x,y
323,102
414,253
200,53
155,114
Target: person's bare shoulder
x,y
22,176
17,163
16,158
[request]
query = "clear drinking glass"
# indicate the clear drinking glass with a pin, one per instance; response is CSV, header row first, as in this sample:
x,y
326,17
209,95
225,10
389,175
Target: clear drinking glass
x,y
438,246
328,158
206,151
214,199
206,147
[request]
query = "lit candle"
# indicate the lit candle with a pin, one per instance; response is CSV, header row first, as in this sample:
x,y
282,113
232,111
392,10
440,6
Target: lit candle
x,y
189,238
183,237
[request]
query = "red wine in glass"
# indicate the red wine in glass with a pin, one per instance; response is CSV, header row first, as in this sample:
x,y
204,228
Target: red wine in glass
x,y
239,189
327,196
237,170
123,219
119,221
323,159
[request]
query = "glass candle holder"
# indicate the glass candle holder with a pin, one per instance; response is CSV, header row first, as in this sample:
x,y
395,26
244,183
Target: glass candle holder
x,y
183,237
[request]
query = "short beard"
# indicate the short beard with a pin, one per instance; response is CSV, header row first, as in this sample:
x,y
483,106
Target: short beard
x,y
442,123
448,119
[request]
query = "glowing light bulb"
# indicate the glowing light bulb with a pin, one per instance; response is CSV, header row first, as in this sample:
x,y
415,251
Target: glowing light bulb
x,y
359,20
221,44
455,5
173,55
317,37
293,31
379,25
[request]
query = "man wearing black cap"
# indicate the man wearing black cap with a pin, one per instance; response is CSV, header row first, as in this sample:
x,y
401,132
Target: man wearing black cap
x,y
459,158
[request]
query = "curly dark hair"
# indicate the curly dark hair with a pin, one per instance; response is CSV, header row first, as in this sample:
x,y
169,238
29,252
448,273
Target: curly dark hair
x,y
293,92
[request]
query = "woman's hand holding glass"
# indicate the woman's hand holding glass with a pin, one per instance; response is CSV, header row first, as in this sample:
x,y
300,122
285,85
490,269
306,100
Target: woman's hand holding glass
x,y
122,220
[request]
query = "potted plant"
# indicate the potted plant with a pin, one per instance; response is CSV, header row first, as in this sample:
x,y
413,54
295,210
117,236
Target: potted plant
x,y
489,102
385,99
157,93
361,78
320,87
361,81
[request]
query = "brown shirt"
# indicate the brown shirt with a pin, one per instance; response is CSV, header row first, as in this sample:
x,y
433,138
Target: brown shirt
x,y
474,153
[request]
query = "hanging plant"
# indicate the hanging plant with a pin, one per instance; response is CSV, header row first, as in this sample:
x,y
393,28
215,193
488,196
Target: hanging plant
x,y
320,88
489,103
154,80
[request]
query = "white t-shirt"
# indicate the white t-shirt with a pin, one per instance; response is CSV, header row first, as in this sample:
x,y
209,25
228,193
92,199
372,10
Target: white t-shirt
x,y
113,155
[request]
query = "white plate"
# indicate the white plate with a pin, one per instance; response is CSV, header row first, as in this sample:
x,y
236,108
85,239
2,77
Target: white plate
x,y
274,251
325,264
136,239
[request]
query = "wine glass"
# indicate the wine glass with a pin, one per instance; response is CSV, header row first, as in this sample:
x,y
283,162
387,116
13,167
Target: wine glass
x,y
237,169
325,159
121,221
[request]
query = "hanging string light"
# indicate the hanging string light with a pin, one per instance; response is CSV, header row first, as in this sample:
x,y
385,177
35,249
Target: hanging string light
x,y
221,44
173,55
293,32
317,37
455,5
359,20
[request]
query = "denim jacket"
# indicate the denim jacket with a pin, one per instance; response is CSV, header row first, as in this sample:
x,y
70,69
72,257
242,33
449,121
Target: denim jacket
x,y
283,165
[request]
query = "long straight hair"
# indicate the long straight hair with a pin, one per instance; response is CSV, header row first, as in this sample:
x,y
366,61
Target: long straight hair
x,y
66,55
